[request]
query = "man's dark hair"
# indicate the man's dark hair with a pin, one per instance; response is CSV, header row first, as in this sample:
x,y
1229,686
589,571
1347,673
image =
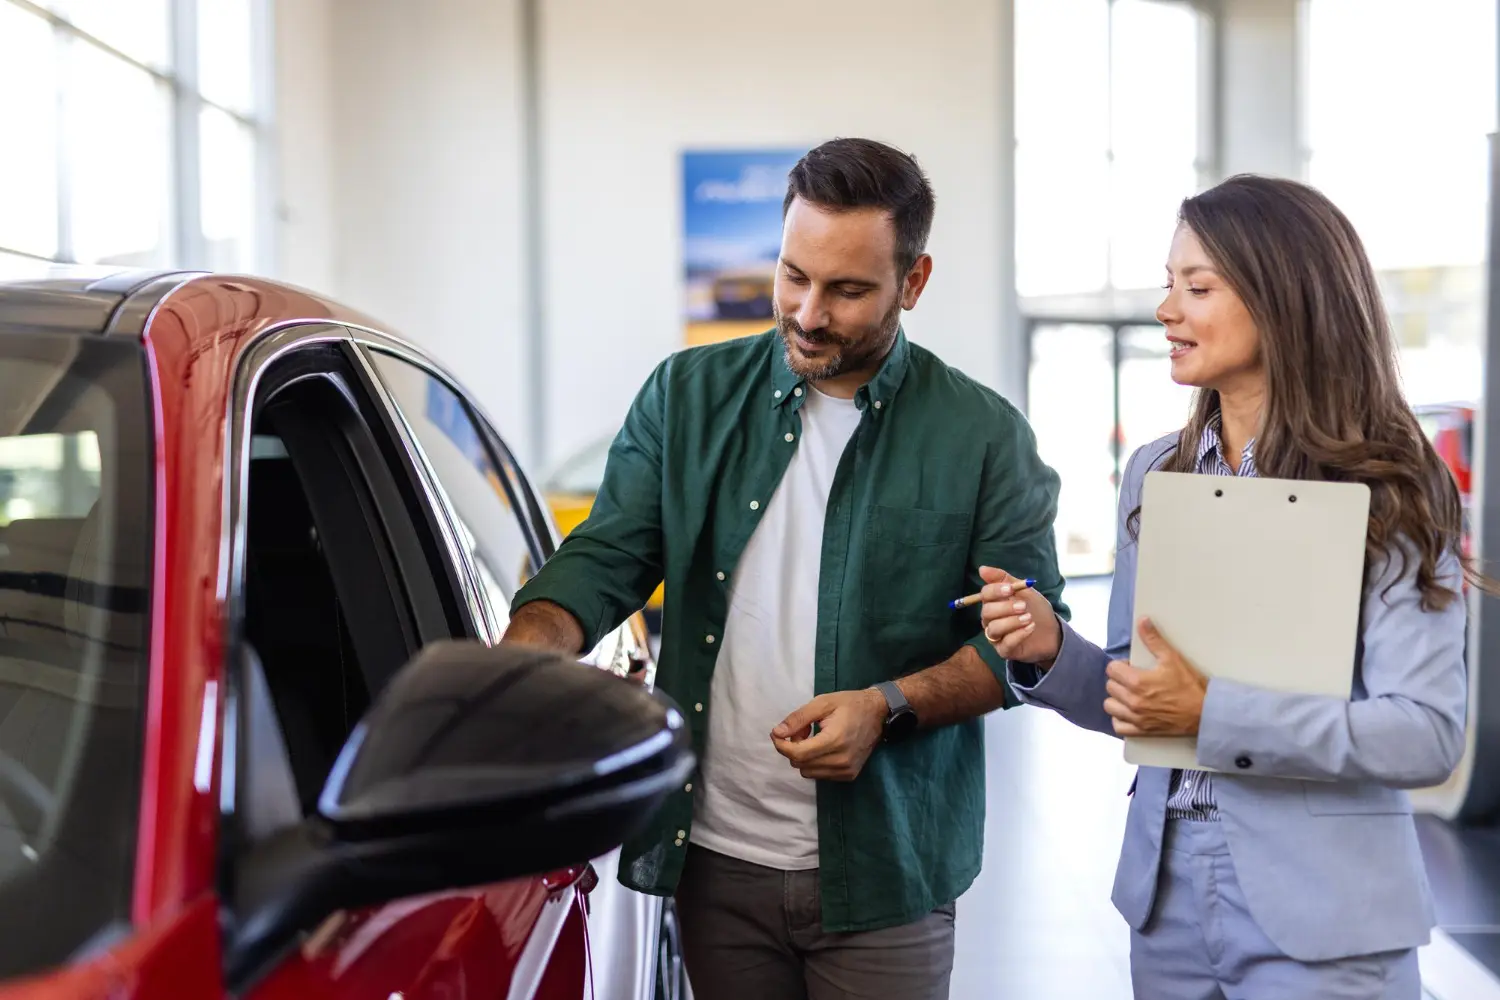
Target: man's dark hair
x,y
861,173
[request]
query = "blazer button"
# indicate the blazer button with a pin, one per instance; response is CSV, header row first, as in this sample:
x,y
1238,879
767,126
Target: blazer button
x,y
1243,763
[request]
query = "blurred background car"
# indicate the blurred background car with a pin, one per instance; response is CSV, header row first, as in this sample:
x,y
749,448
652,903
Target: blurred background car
x,y
569,491
1450,428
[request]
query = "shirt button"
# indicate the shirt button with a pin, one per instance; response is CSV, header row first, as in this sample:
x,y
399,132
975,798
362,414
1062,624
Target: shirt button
x,y
688,787
755,505
778,393
797,391
790,438
1242,762
708,639
678,841
720,574
698,707
681,834
877,404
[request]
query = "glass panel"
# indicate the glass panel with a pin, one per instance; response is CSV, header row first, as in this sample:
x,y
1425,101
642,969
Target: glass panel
x,y
1070,394
1154,133
1151,404
225,53
141,29
1107,140
75,548
1062,73
119,164
1373,132
1062,221
1062,134
479,492
228,184
28,109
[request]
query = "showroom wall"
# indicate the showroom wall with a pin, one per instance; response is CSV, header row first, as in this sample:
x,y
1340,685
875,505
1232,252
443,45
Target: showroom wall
x,y
403,190
626,87
399,128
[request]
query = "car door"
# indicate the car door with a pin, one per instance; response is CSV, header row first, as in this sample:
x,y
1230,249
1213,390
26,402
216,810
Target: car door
x,y
347,566
506,531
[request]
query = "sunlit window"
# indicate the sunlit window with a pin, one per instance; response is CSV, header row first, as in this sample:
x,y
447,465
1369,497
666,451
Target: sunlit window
x,y
1106,140
1399,101
132,132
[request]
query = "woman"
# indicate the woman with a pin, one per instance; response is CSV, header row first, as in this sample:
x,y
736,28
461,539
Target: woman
x,y
1293,870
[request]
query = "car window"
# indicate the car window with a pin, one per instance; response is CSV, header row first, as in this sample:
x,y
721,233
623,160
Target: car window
x,y
492,523
75,574
338,589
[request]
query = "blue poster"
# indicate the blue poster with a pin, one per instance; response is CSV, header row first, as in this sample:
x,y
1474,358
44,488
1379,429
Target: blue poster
x,y
732,237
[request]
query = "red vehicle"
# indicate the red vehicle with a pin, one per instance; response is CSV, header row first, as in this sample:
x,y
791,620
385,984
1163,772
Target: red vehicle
x,y
1450,428
255,737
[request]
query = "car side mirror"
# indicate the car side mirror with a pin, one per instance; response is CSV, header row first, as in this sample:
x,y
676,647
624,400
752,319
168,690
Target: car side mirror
x,y
476,764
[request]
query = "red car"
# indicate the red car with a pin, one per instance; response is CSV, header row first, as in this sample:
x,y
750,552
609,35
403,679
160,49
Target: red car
x,y
1450,428
255,737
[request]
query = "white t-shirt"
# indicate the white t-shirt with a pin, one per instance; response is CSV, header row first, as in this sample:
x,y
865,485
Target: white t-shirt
x,y
751,803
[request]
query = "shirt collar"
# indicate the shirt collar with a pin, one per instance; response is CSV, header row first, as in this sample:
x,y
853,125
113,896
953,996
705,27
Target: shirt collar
x,y
1212,443
787,385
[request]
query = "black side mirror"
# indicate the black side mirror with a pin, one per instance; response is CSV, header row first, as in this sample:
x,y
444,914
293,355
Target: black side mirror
x,y
475,765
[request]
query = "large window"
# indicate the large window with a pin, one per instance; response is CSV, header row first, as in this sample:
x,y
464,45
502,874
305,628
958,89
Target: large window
x,y
133,132
1108,117
1107,125
1399,101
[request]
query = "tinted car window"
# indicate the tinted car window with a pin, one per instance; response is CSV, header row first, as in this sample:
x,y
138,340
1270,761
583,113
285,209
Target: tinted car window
x,y
479,489
75,558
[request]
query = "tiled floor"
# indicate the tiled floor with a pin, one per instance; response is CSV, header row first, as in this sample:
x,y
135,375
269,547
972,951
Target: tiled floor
x,y
1038,923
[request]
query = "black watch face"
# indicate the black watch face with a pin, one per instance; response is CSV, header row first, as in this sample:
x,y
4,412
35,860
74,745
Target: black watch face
x,y
900,725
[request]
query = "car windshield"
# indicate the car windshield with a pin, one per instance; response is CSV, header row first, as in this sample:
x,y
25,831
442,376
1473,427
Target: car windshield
x,y
75,544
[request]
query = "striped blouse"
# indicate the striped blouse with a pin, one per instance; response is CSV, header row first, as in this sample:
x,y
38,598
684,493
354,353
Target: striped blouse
x,y
1192,792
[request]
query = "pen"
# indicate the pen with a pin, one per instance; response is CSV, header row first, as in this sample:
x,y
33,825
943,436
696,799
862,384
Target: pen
x,y
972,599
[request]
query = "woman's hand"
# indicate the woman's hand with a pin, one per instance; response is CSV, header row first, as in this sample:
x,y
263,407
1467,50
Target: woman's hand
x,y
1018,621
1166,700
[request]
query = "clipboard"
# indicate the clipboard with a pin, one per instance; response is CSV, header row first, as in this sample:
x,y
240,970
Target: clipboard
x,y
1228,569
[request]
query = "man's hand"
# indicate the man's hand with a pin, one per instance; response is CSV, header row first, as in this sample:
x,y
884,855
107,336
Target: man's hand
x,y
547,625
849,725
1166,700
1018,620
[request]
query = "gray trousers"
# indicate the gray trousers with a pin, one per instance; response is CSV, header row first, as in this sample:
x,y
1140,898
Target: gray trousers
x,y
755,933
1202,944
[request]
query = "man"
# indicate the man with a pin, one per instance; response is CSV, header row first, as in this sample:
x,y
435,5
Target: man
x,y
815,497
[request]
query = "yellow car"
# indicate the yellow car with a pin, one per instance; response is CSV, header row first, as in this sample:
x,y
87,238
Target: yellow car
x,y
570,491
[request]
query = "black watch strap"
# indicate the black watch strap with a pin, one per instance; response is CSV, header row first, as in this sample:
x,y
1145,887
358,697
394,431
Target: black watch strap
x,y
900,717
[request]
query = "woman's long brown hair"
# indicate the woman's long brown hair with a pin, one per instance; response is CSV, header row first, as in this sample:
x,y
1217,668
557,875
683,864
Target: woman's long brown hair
x,y
1334,409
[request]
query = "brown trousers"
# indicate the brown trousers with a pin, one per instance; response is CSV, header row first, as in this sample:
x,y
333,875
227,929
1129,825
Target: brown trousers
x,y
755,933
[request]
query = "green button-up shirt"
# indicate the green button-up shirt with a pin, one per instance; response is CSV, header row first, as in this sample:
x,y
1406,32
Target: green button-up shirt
x,y
941,477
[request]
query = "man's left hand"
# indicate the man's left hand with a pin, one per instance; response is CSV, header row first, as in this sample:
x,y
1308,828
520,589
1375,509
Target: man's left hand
x,y
1166,700
849,726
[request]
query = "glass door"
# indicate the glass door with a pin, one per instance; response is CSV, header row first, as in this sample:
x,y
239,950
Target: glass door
x,y
1071,402
1096,392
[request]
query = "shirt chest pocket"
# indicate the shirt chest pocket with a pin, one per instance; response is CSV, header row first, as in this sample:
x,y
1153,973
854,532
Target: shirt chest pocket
x,y
914,561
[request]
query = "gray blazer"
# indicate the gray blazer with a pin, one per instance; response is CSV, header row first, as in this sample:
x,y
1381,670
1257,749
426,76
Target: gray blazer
x,y
1331,868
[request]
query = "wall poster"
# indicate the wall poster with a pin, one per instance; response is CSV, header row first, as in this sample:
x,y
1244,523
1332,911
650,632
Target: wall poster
x,y
731,239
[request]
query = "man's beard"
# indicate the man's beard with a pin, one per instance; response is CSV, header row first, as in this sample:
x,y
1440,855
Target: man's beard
x,y
850,354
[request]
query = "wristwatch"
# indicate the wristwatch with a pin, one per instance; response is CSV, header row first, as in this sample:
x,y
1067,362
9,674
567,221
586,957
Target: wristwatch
x,y
901,718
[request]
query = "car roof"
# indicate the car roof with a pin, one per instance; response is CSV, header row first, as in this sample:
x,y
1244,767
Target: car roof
x,y
67,298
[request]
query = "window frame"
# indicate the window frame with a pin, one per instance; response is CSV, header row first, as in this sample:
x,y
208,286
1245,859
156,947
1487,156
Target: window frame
x,y
391,483
523,500
187,245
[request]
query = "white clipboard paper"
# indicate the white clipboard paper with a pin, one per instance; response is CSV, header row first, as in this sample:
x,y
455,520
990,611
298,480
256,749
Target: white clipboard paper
x,y
1254,580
